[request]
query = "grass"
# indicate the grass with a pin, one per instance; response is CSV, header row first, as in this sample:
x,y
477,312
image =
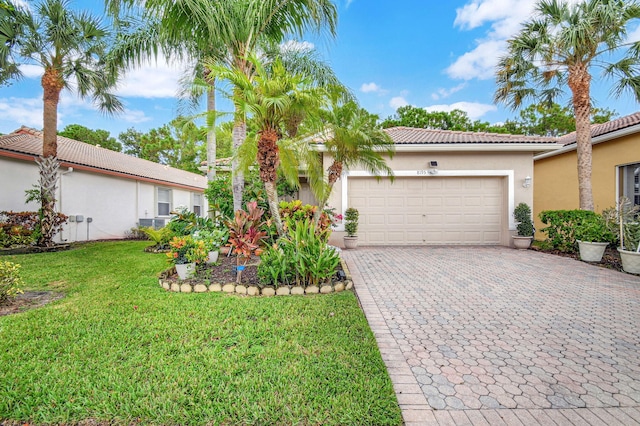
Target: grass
x,y
118,348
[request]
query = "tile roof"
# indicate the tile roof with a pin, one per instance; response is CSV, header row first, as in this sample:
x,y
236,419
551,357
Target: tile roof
x,y
604,128
408,135
29,141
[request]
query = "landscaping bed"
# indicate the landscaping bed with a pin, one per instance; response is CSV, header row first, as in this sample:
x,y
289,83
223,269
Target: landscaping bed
x,y
610,260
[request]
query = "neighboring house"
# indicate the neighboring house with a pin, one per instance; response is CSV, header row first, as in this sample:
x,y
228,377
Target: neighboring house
x,y
615,168
450,188
104,193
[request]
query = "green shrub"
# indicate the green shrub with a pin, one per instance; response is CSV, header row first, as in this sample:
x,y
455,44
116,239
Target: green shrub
x,y
9,281
522,215
351,217
220,196
22,228
301,257
562,226
160,237
294,211
594,228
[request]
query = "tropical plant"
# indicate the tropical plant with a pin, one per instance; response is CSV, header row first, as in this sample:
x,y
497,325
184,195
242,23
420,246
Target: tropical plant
x,y
522,215
625,220
351,217
160,237
9,281
353,139
271,98
213,238
246,234
71,47
227,32
561,45
185,249
295,212
562,227
301,257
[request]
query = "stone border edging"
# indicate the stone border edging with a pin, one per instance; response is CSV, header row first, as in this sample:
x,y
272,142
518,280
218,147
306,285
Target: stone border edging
x,y
254,290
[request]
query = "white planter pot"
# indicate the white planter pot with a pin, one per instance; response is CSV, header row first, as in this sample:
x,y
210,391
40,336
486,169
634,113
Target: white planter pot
x,y
591,251
350,242
213,257
630,261
521,243
186,270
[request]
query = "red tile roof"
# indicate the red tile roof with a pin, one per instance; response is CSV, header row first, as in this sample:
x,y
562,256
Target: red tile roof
x,y
604,128
29,141
409,135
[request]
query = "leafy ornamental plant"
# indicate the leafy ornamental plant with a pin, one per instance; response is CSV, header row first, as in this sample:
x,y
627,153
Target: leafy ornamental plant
x,y
594,229
351,217
9,281
627,223
562,226
245,234
160,237
23,228
301,257
213,238
298,212
522,215
186,250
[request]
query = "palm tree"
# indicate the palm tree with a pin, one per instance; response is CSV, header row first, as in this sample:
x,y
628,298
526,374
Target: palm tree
x,y
241,26
71,47
561,46
353,137
270,97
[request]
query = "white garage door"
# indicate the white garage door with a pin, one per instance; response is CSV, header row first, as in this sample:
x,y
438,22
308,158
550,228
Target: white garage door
x,y
433,210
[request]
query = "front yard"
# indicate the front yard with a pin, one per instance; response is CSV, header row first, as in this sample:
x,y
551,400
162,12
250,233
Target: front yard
x,y
118,348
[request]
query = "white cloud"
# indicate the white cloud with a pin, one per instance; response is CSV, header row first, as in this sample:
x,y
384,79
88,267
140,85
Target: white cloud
x,y
297,46
348,3
634,35
445,93
370,88
135,116
32,71
16,112
397,102
504,18
153,80
473,109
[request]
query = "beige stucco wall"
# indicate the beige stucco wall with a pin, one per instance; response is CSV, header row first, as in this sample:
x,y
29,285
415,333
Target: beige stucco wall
x,y
520,163
556,177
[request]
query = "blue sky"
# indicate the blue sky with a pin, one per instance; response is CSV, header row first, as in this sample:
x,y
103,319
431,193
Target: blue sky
x,y
438,55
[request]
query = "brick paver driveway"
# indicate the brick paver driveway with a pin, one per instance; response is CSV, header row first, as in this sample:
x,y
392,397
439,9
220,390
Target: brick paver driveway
x,y
492,335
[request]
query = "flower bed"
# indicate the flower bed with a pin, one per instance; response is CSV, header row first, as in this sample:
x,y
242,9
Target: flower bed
x,y
206,281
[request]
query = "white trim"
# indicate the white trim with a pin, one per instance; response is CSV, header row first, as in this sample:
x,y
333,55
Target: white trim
x,y
458,147
594,141
510,174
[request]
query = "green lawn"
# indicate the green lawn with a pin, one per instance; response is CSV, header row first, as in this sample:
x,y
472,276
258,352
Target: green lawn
x,y
120,348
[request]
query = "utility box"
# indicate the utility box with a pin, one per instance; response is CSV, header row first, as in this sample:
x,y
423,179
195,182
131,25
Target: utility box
x,y
79,218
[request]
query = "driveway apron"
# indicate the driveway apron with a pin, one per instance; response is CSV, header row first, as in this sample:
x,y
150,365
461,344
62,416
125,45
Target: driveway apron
x,y
492,335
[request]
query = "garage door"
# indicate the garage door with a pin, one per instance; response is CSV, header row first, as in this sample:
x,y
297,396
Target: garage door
x,y
440,210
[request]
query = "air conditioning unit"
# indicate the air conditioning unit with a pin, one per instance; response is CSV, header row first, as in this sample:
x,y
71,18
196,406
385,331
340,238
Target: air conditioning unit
x,y
158,223
145,223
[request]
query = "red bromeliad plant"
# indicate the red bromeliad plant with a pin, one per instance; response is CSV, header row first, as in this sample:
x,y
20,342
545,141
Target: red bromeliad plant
x,y
245,234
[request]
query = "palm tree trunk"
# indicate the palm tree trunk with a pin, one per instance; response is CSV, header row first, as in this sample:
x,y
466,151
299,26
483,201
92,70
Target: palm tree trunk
x,y
211,132
269,160
239,135
48,163
579,83
334,172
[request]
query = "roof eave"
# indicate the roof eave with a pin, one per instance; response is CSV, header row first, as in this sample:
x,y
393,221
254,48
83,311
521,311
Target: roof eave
x,y
594,141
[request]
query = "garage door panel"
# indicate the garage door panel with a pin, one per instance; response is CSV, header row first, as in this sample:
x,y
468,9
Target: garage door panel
x,y
429,210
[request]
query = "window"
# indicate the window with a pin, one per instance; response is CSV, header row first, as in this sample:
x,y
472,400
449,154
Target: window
x,y
631,182
197,204
164,202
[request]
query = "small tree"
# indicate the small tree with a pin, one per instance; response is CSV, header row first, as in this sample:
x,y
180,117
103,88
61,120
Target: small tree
x,y
351,216
522,215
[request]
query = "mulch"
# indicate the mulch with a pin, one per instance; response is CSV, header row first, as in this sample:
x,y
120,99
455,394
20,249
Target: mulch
x,y
223,272
610,260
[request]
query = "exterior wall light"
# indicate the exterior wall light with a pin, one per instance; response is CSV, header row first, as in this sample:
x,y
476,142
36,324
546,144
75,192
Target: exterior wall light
x,y
526,183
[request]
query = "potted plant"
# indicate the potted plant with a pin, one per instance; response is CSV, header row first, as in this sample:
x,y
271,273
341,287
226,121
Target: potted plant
x,y
351,217
213,239
522,215
629,234
184,253
593,237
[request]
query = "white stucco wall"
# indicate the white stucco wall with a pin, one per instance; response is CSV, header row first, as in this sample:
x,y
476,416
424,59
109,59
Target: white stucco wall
x,y
115,204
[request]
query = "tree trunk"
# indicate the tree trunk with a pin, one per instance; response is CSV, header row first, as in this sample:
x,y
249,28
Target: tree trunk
x,y
211,132
269,160
48,164
579,83
334,173
239,135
